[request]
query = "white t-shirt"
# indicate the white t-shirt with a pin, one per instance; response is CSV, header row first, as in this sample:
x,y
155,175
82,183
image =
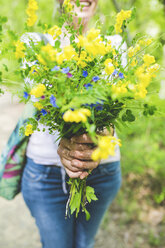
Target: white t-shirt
x,y
42,146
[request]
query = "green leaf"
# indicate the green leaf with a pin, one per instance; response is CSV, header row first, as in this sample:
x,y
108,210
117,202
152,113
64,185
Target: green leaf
x,y
87,214
57,44
131,118
90,194
4,19
124,117
110,30
6,68
78,3
76,202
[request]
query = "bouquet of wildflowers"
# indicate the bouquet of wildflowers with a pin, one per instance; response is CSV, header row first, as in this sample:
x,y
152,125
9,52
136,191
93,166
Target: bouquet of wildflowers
x,y
84,87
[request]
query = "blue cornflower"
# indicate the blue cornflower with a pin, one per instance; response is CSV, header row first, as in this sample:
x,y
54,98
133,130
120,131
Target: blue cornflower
x,y
99,107
43,112
26,95
121,75
53,101
56,68
115,73
87,86
65,70
85,74
95,79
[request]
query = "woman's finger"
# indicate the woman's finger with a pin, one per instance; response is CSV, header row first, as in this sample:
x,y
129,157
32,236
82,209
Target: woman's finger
x,y
84,174
72,174
64,152
67,164
84,164
82,155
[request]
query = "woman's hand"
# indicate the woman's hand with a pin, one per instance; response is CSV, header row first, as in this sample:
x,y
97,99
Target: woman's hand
x,y
75,155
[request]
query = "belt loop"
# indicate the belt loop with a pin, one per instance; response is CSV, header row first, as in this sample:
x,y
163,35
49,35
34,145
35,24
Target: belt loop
x,y
63,175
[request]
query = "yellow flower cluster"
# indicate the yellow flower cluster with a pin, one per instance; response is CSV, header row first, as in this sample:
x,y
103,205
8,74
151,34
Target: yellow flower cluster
x,y
28,130
120,18
133,50
93,43
31,12
119,89
55,31
20,48
69,52
144,74
82,59
148,59
67,5
78,115
38,90
38,105
47,52
145,42
109,68
106,147
92,34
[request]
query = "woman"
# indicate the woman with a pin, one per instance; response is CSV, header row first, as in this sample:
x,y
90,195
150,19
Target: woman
x,y
44,186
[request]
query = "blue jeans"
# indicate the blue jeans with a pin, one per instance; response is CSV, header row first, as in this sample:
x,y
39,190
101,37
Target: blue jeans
x,y
45,195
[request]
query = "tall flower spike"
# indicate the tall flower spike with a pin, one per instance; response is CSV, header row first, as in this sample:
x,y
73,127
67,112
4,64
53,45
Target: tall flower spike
x,y
31,12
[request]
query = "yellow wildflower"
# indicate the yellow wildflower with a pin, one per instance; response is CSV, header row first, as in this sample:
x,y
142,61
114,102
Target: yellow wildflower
x,y
60,58
119,89
78,115
139,71
137,48
81,41
38,90
100,48
120,18
40,59
28,130
38,105
148,59
55,31
31,12
145,42
141,91
67,5
92,34
49,51
152,69
69,52
106,147
20,48
134,62
109,69
107,62
131,52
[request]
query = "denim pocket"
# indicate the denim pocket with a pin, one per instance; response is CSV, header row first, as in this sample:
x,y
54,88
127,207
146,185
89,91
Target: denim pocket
x,y
32,174
109,168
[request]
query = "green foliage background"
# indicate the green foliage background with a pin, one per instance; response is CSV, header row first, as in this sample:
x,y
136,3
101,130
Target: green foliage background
x,y
143,142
